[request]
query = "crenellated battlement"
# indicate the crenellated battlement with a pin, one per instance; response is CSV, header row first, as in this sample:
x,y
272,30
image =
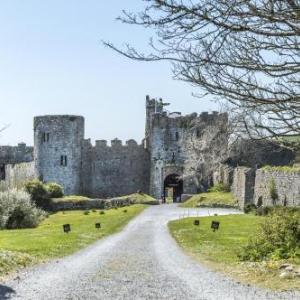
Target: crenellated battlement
x,y
173,142
117,143
16,154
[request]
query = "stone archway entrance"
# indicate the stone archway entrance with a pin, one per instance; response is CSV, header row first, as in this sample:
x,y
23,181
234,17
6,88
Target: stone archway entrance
x,y
173,187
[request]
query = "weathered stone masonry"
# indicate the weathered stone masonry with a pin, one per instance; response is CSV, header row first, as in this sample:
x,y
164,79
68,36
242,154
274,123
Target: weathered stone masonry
x,y
180,150
14,155
186,154
190,147
286,183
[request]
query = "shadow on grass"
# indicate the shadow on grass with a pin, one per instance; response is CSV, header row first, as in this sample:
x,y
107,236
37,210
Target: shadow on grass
x,y
6,292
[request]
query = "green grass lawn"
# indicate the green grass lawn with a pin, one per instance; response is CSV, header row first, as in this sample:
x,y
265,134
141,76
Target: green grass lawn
x,y
219,249
212,199
26,246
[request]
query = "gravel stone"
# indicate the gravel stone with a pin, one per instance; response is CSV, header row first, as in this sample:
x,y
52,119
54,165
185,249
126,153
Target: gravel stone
x,y
141,262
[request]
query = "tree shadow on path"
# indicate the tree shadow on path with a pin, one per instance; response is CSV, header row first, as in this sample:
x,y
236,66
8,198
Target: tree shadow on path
x,y
6,292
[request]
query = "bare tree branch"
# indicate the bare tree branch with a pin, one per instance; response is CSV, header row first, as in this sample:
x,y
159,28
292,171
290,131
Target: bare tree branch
x,y
246,52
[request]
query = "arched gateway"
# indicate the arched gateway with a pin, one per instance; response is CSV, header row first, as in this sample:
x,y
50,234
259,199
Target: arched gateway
x,y
173,187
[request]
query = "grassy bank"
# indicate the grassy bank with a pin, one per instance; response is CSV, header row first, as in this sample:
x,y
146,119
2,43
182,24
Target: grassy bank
x,y
19,248
219,249
211,199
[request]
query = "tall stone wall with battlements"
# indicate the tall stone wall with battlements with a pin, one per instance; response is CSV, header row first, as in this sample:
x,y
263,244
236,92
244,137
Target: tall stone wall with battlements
x,y
115,170
189,146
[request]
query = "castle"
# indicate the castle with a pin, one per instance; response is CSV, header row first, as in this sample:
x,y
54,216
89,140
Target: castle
x,y
177,156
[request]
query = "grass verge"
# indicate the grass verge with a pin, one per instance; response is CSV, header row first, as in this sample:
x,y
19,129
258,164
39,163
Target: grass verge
x,y
211,199
219,249
20,248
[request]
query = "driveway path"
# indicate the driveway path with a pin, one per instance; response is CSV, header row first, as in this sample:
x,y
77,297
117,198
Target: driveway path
x,y
141,262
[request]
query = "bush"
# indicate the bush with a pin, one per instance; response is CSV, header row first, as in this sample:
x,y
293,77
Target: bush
x,y
273,191
278,237
249,208
263,211
18,211
38,191
54,190
220,187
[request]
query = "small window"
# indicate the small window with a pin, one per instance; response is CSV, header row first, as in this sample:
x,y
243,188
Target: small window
x,y
198,133
2,172
45,137
63,160
176,136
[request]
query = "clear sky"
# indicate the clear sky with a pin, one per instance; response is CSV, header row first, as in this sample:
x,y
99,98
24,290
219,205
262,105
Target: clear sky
x,y
52,62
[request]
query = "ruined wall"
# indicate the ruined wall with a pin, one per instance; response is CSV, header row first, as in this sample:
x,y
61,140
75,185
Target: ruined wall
x,y
190,146
287,184
223,174
259,153
14,155
117,170
58,147
243,185
17,175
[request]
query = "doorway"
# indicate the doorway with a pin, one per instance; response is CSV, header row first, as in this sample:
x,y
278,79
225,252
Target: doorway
x,y
173,188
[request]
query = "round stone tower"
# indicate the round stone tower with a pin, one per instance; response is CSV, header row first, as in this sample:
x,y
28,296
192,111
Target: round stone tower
x,y
58,150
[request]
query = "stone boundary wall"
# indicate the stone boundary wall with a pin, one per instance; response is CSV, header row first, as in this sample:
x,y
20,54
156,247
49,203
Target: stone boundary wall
x,y
223,174
243,185
287,184
17,175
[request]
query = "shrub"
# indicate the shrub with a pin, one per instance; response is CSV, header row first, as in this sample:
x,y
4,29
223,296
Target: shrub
x,y
262,210
273,191
38,191
250,207
220,187
278,237
54,190
18,211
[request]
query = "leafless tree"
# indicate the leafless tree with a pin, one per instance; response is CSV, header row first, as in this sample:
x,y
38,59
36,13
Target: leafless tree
x,y
246,52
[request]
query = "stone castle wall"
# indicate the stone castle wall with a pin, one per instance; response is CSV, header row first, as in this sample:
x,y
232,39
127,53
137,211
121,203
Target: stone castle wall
x,y
190,146
17,175
115,170
58,148
14,155
223,174
287,185
243,185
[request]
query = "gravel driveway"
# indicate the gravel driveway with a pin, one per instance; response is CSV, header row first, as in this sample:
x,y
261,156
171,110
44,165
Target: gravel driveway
x,y
141,262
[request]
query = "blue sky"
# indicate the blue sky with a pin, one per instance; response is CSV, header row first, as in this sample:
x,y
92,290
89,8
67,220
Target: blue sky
x,y
52,62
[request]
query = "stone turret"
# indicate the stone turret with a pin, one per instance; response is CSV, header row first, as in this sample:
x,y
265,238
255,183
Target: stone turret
x,y
58,144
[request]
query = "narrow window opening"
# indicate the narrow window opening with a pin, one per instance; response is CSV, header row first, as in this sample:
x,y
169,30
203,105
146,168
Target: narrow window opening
x,y
177,136
45,137
2,172
198,133
63,161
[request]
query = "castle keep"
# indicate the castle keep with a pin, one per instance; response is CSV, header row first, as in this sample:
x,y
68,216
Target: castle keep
x,y
178,154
